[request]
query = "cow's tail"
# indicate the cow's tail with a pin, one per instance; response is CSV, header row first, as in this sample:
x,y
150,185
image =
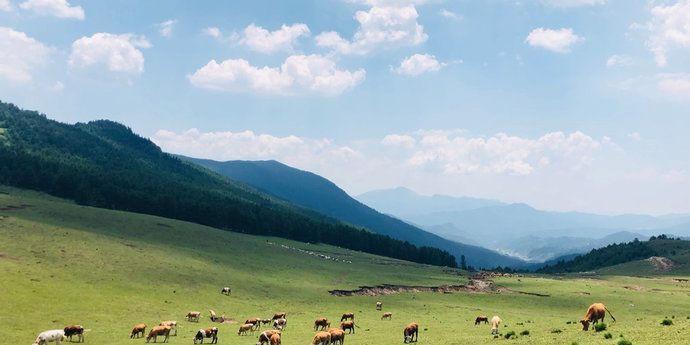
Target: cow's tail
x,y
614,319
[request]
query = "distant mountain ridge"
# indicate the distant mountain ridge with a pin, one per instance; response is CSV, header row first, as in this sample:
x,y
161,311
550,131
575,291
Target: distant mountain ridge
x,y
315,192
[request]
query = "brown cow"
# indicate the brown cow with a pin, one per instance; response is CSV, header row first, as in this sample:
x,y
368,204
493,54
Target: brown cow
x,y
171,324
481,319
244,328
159,330
279,315
337,336
139,328
280,324
411,332
77,330
595,312
387,316
255,321
211,332
265,336
322,338
275,339
348,325
193,316
322,323
346,316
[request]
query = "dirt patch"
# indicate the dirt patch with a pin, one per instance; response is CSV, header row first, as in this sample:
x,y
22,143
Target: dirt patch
x,y
661,264
634,287
14,207
8,257
474,285
531,293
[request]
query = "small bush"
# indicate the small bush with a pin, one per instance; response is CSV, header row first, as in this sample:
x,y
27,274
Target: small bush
x,y
600,327
608,336
509,335
568,322
519,323
667,322
525,332
574,343
624,342
556,330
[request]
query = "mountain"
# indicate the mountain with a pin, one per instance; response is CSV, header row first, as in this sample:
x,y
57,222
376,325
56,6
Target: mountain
x,y
403,202
317,193
104,164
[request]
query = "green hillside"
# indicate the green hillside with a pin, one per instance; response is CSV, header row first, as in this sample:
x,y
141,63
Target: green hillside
x,y
104,164
65,263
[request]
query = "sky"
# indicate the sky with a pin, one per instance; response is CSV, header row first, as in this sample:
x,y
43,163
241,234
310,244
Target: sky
x,y
568,105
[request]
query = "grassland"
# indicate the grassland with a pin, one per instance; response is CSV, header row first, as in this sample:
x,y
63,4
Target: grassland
x,y
62,263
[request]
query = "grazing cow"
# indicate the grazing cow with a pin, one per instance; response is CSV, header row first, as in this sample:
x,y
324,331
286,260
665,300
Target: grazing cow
x,y
244,328
159,330
139,328
495,322
279,324
226,291
387,316
279,315
265,336
595,312
481,319
72,330
348,325
193,316
322,323
346,316
215,318
211,332
337,336
379,305
322,338
265,321
254,321
275,339
411,332
56,335
171,324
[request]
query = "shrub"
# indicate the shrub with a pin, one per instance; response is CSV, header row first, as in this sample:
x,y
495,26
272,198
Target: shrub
x,y
667,322
600,327
624,342
608,336
574,343
509,334
525,332
556,330
568,322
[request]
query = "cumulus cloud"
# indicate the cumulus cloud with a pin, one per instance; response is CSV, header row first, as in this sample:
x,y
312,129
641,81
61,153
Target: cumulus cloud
x,y
20,55
634,136
5,5
572,3
166,28
399,140
261,40
669,28
379,27
117,53
558,41
298,74
619,60
212,31
55,8
418,64
676,86
449,14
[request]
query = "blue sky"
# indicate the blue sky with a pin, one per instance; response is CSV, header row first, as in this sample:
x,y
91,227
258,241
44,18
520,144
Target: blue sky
x,y
563,104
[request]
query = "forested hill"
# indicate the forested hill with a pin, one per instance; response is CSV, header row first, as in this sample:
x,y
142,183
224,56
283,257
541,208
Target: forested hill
x,y
615,254
318,193
104,164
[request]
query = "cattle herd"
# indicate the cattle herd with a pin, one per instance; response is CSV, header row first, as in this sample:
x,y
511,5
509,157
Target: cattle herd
x,y
326,335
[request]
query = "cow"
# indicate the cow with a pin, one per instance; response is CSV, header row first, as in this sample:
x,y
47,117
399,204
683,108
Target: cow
x,y
322,323
279,315
279,324
226,291
595,312
480,319
211,332
56,335
379,305
265,321
72,330
321,338
159,330
254,321
495,322
348,325
193,316
387,316
265,336
215,318
244,328
337,336
275,339
411,332
138,329
171,324
346,316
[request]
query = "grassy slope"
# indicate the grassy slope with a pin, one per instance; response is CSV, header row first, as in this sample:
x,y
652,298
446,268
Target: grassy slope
x,y
61,263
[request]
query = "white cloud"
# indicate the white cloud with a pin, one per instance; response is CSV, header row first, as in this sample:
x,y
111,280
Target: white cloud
x,y
418,64
118,53
261,40
399,140
20,55
619,60
558,41
676,86
298,74
58,86
166,28
448,14
669,28
572,3
635,136
56,8
5,5
380,27
212,31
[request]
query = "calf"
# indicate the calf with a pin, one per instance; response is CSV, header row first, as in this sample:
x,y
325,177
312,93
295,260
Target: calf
x,y
139,328
211,332
411,332
226,291
56,335
346,316
193,316
244,328
345,325
387,316
171,324
322,338
321,323
159,330
72,330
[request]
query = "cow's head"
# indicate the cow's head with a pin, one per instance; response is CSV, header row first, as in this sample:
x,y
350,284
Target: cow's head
x,y
585,324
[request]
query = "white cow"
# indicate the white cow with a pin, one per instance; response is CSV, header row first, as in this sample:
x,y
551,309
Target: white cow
x,y
56,335
280,324
495,322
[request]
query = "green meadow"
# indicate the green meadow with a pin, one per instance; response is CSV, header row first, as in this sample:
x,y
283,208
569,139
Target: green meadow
x,y
62,263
